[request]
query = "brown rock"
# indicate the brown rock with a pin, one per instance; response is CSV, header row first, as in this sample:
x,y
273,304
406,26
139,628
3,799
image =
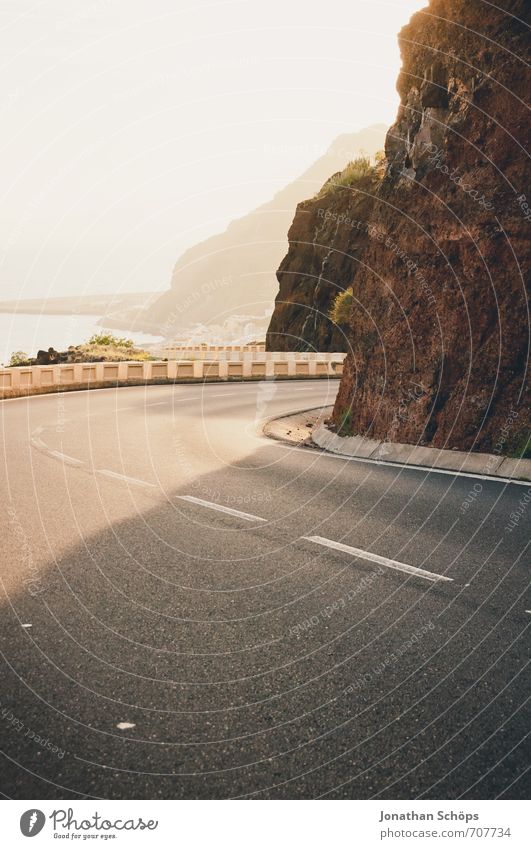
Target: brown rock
x,y
325,240
439,340
439,333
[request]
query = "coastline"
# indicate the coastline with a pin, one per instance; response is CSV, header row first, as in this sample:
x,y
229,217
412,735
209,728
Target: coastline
x,y
29,332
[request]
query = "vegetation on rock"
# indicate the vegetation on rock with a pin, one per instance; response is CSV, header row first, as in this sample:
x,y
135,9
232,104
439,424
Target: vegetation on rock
x,y
356,170
341,307
19,358
101,347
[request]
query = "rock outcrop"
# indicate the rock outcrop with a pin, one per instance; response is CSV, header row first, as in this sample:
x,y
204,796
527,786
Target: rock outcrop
x,y
326,239
234,272
438,339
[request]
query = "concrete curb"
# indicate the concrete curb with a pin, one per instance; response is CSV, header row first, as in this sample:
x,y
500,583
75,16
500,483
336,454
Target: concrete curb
x,y
308,427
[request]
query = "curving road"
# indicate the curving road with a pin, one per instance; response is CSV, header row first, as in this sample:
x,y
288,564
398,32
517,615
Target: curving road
x,y
191,610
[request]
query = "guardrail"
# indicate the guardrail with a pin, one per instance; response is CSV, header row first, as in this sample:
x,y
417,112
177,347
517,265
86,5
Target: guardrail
x,y
23,379
207,350
237,355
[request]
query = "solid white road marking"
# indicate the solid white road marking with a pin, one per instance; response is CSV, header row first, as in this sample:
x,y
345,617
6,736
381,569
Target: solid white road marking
x,y
108,473
124,725
71,461
390,464
222,509
376,558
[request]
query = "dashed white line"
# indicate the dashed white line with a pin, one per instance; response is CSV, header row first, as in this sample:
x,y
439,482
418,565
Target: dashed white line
x,y
108,473
222,509
139,406
377,558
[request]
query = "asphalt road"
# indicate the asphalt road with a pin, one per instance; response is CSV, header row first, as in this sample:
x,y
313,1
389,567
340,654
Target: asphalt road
x,y
157,646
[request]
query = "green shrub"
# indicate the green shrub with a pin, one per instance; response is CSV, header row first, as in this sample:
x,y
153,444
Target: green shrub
x,y
19,358
108,339
340,309
344,427
356,170
380,163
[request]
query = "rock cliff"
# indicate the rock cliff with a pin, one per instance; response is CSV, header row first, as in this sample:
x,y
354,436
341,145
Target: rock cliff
x,y
438,338
326,239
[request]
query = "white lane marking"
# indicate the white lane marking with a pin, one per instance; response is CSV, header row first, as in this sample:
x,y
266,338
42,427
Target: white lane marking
x,y
528,611
108,473
377,558
222,509
27,625
171,400
71,461
125,725
322,452
223,394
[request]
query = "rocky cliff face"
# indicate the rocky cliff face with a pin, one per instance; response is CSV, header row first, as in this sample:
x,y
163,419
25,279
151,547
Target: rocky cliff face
x,y
326,239
439,332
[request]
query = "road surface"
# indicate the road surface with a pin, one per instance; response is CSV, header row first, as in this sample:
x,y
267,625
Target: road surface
x,y
193,611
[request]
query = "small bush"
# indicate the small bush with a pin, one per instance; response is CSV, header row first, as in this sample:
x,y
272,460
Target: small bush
x,y
380,163
341,308
109,340
19,358
356,170
344,427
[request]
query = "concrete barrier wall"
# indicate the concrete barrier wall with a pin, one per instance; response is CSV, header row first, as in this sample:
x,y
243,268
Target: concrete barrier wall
x,y
207,351
68,374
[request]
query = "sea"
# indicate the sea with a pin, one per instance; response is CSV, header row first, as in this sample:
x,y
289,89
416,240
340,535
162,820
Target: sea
x,y
28,333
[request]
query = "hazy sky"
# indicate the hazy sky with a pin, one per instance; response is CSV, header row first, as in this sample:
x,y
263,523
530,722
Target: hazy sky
x,y
132,129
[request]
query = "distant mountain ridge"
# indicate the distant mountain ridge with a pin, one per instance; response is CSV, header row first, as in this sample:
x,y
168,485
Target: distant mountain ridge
x,y
90,304
234,272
